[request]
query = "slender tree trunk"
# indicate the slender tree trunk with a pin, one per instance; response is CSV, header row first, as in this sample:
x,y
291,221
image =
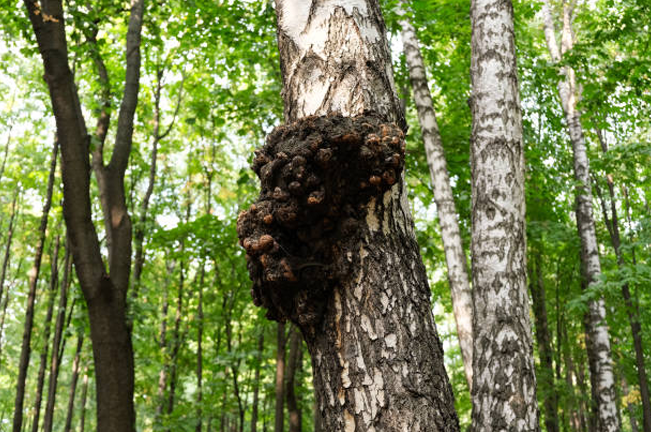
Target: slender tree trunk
x,y
256,383
293,410
54,279
6,151
73,383
447,213
4,301
158,134
597,338
279,416
366,313
632,309
504,386
25,350
10,236
105,292
543,337
59,326
84,394
162,345
176,340
200,350
629,406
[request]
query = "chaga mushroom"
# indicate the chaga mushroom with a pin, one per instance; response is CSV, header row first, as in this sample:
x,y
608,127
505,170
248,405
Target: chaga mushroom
x,y
317,176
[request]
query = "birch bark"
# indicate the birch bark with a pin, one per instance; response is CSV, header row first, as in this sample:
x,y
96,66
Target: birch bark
x,y
447,213
504,382
598,341
376,355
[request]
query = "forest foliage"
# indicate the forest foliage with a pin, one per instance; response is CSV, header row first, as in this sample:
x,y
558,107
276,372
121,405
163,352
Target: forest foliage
x,y
210,84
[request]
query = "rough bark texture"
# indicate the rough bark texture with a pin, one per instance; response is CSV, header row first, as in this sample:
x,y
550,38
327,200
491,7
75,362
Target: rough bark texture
x,y
447,214
355,283
597,338
54,279
26,348
543,337
105,293
504,382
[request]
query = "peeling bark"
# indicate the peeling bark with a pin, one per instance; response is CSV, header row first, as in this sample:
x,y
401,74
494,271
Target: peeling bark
x,y
447,213
376,355
597,339
504,386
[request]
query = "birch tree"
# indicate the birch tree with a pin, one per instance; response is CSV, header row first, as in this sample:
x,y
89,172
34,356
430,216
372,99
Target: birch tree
x,y
447,214
504,386
597,338
330,241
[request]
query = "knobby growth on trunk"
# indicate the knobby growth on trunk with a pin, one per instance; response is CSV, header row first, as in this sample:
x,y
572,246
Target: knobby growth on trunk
x,y
330,242
504,381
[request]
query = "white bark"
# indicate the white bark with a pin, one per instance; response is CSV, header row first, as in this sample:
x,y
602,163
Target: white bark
x,y
350,79
598,340
376,356
454,255
504,386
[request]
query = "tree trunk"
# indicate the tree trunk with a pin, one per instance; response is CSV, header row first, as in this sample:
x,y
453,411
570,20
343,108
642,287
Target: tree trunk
x,y
105,293
279,415
73,383
200,350
632,309
5,265
543,337
162,345
84,394
59,326
629,406
10,237
176,339
447,213
597,338
25,350
256,383
6,151
293,410
158,135
504,386
54,279
346,267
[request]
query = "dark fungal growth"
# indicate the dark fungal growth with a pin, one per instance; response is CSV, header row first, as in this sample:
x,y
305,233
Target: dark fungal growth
x,y
300,236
